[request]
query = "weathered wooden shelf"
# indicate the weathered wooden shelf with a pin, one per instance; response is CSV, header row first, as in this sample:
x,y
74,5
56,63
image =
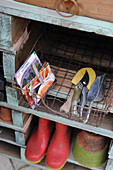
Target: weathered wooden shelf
x,y
9,124
50,16
7,135
17,153
106,128
18,133
11,8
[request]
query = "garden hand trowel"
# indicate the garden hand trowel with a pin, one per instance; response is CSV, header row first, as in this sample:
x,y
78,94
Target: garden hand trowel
x,y
83,78
92,77
96,93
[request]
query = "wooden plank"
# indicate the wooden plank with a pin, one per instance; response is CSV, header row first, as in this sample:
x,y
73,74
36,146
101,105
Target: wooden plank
x,y
9,66
24,47
2,124
11,31
96,9
50,16
106,129
45,3
19,31
22,137
8,122
17,118
24,52
11,96
17,128
27,126
19,137
5,32
20,119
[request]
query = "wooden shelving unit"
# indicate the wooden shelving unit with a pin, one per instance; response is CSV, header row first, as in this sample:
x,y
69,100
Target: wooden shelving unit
x,y
24,38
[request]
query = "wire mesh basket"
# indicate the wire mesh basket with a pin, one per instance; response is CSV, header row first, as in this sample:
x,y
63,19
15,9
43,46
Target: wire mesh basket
x,y
67,51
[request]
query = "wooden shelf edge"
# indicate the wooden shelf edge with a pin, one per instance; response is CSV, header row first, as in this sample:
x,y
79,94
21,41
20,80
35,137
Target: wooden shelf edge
x,y
57,118
11,142
68,161
12,127
50,16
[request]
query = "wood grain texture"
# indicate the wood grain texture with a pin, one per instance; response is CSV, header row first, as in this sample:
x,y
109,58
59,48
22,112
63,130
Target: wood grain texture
x,y
12,62
11,29
106,129
9,66
18,26
19,137
17,118
50,16
97,9
26,48
5,32
11,94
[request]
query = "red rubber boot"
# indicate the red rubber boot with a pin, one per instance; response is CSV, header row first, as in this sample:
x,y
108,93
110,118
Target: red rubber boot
x,y
59,147
38,142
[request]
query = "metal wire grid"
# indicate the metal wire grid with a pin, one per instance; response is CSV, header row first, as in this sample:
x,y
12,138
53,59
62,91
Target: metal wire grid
x,y
70,51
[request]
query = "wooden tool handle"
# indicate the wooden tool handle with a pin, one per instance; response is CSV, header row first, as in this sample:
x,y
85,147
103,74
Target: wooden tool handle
x,y
65,108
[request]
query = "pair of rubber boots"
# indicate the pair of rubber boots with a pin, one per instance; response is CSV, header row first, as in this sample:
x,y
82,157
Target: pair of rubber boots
x,y
59,146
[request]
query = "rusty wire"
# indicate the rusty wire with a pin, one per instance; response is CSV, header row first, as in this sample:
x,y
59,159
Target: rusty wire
x,y
98,121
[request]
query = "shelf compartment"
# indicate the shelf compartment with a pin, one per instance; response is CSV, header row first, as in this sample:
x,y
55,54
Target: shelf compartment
x,y
15,124
67,55
23,39
8,135
16,153
18,136
10,150
71,158
20,124
42,164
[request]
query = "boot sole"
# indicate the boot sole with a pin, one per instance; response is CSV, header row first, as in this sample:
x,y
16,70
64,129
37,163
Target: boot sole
x,y
37,161
56,168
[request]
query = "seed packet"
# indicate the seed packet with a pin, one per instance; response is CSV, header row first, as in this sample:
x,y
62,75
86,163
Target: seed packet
x,y
25,73
33,85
